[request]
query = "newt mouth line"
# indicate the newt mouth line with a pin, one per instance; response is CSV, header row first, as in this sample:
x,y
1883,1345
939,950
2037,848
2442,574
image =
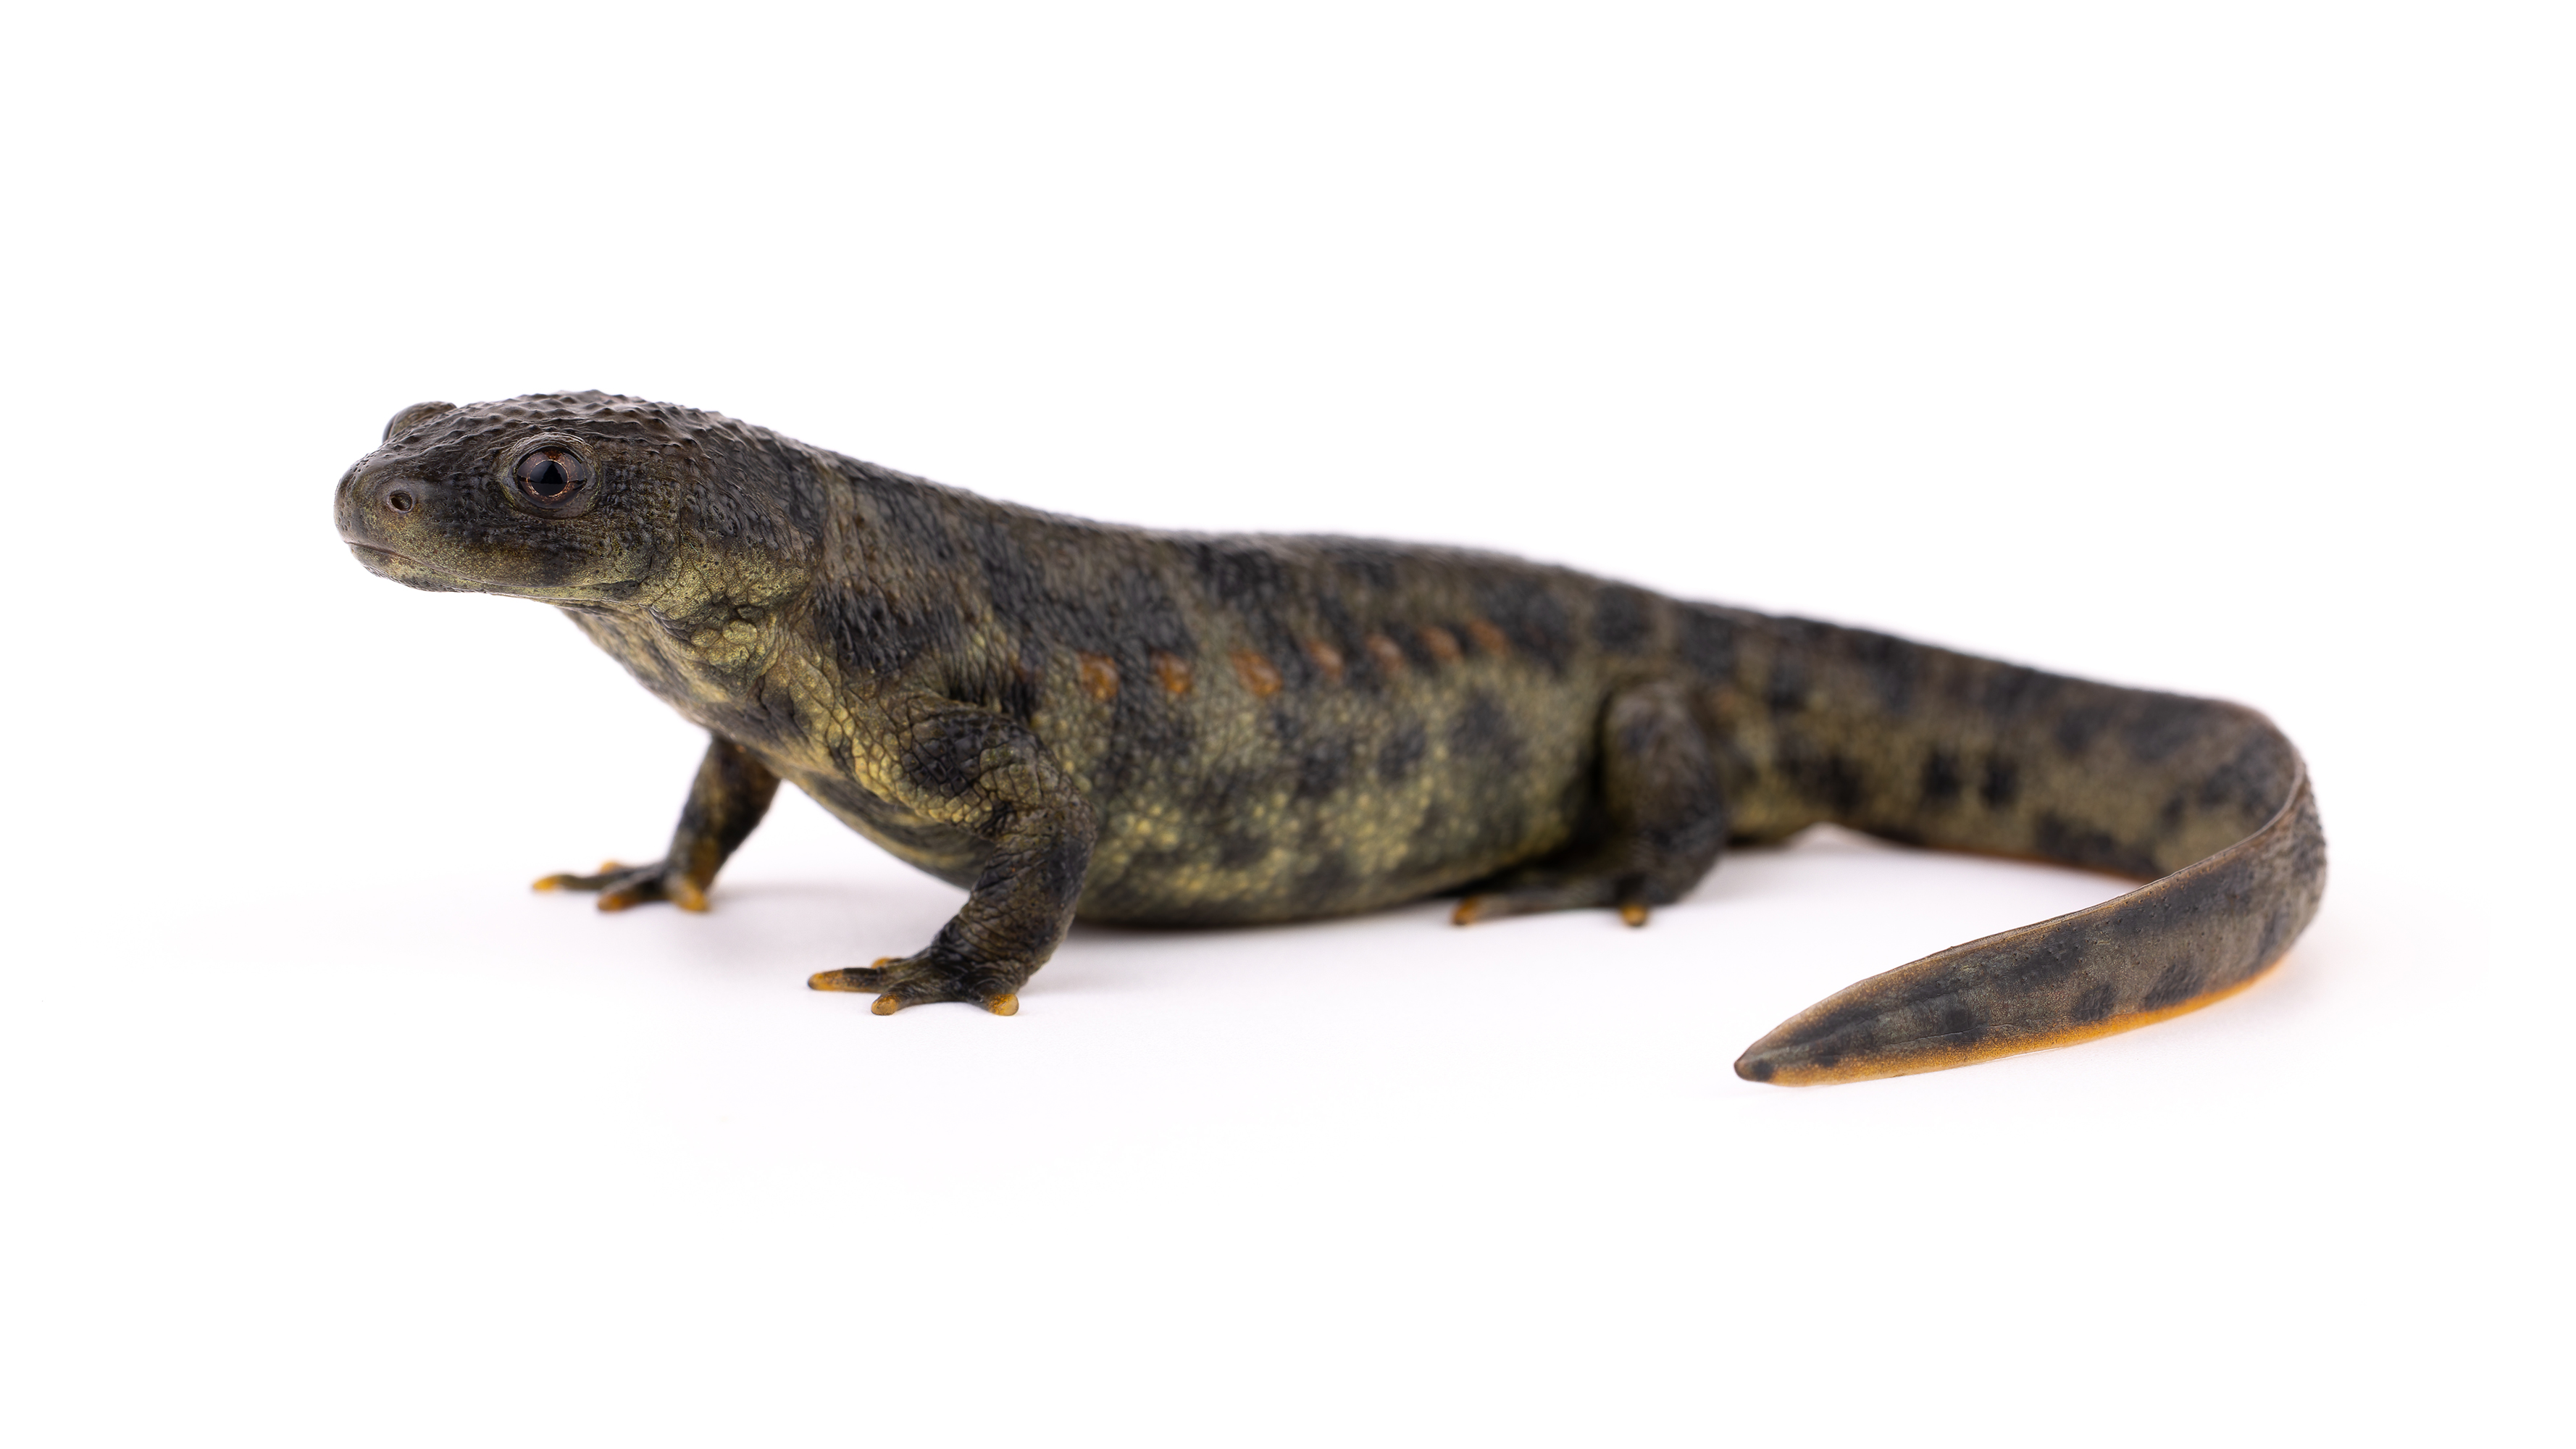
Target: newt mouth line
x,y
379,552
543,593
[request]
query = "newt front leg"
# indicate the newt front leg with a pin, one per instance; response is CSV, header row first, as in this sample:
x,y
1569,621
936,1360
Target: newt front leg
x,y
985,774
730,795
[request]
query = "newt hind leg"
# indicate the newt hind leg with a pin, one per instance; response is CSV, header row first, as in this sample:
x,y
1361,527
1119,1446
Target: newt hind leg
x,y
1661,825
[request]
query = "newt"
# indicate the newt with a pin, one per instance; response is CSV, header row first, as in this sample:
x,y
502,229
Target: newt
x,y
1074,720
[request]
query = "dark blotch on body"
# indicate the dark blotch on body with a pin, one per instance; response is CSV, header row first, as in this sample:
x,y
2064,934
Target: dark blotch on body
x,y
2162,724
1785,692
1831,780
1322,766
2002,784
1706,642
2057,838
1619,619
1533,618
870,633
1322,884
1402,753
1241,849
2077,727
1483,732
2095,1004
1888,664
2178,983
2253,781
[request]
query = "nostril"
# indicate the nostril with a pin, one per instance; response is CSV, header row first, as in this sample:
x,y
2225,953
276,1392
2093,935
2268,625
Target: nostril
x,y
399,500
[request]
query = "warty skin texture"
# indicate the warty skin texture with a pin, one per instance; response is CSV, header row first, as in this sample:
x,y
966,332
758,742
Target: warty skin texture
x,y
1078,720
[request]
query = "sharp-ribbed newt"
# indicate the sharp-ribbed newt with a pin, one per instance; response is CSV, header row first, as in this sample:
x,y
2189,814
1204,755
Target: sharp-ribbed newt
x,y
1075,720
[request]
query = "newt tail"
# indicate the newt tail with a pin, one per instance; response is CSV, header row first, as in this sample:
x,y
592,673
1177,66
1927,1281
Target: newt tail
x,y
2206,800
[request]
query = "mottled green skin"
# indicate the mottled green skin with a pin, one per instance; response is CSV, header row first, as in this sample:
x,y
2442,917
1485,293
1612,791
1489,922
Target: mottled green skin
x,y
1141,726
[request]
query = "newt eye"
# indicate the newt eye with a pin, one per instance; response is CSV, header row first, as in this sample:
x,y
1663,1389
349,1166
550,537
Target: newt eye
x,y
551,477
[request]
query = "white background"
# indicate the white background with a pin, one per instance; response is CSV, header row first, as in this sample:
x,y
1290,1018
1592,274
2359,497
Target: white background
x,y
2219,348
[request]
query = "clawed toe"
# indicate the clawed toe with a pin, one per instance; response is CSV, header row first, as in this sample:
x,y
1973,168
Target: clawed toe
x,y
570,881
853,978
621,886
913,983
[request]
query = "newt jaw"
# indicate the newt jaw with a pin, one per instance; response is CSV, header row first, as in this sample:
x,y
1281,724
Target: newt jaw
x,y
384,563
403,569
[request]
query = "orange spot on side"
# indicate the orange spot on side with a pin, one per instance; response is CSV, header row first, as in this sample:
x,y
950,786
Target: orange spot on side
x,y
1442,644
1099,675
1174,671
1327,658
1257,673
1488,638
1384,650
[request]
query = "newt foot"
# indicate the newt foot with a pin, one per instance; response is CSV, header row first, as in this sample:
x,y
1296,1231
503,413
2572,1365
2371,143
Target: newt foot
x,y
928,977
621,886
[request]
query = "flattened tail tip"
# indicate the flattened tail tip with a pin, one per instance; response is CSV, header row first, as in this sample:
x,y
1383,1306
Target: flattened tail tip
x,y
1812,1064
1797,1054
2176,944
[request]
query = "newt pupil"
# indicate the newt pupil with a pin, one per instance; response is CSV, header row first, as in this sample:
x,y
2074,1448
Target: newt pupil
x,y
549,475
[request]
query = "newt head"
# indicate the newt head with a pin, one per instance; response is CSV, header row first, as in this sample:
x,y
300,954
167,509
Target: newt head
x,y
566,497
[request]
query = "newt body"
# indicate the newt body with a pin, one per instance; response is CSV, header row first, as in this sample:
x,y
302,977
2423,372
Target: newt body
x,y
1116,724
